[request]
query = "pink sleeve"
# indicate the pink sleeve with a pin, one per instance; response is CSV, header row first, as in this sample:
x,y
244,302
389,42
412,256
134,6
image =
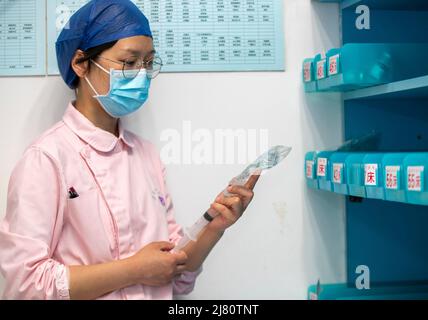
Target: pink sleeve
x,y
30,231
185,283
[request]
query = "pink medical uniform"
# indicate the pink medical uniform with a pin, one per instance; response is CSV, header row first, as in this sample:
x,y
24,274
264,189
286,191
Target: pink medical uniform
x,y
82,196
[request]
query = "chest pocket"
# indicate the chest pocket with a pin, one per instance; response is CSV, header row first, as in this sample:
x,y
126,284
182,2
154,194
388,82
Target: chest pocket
x,y
89,219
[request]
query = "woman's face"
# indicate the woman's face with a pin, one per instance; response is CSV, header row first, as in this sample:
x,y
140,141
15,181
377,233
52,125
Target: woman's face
x,y
125,50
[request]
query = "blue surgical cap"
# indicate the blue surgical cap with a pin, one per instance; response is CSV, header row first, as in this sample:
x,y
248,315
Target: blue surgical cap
x,y
96,23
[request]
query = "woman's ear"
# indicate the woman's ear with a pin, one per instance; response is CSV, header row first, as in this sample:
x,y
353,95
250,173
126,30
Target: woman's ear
x,y
81,69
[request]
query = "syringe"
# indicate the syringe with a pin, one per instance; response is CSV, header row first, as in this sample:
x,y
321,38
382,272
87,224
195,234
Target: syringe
x,y
266,161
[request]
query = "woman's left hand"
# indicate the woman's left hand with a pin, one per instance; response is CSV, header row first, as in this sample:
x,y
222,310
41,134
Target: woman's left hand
x,y
231,208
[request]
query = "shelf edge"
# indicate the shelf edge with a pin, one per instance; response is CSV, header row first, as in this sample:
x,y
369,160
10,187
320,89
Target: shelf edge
x,y
394,87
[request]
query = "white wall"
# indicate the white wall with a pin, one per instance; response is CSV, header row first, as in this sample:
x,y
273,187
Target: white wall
x,y
271,253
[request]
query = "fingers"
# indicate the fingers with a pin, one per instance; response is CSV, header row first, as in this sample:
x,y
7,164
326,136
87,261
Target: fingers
x,y
180,257
224,211
164,246
246,195
180,262
241,191
180,269
232,202
251,183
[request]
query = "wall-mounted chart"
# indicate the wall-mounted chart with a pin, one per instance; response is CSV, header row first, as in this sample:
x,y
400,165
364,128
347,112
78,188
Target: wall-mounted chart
x,y
22,37
190,35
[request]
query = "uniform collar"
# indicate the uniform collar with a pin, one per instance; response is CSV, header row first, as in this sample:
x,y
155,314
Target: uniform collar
x,y
97,138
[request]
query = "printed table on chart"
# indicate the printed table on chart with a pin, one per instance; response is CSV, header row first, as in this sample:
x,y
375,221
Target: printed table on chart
x,y
201,35
22,37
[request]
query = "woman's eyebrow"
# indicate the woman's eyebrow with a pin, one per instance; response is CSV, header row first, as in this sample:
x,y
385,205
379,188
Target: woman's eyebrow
x,y
138,53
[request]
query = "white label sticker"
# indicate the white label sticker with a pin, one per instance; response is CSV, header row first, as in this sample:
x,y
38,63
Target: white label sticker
x,y
392,177
333,63
415,178
310,169
307,71
370,174
321,69
338,172
322,167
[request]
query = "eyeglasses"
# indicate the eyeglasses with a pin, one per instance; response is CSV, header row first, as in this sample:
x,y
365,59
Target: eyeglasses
x,y
132,66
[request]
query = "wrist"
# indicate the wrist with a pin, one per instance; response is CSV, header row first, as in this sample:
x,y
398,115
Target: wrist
x,y
130,268
215,232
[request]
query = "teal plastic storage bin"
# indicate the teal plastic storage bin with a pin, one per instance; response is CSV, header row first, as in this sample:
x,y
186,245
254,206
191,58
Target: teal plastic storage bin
x,y
338,172
320,64
308,74
369,64
415,166
310,170
394,177
333,62
373,176
361,65
323,170
355,174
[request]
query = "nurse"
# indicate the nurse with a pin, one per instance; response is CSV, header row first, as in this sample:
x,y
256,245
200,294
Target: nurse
x,y
89,215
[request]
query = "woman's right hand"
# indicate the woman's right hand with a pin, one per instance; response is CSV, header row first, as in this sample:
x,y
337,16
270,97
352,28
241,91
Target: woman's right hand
x,y
156,265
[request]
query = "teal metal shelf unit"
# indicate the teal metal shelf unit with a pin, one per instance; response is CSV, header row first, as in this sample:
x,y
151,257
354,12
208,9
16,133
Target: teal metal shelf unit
x,y
382,232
